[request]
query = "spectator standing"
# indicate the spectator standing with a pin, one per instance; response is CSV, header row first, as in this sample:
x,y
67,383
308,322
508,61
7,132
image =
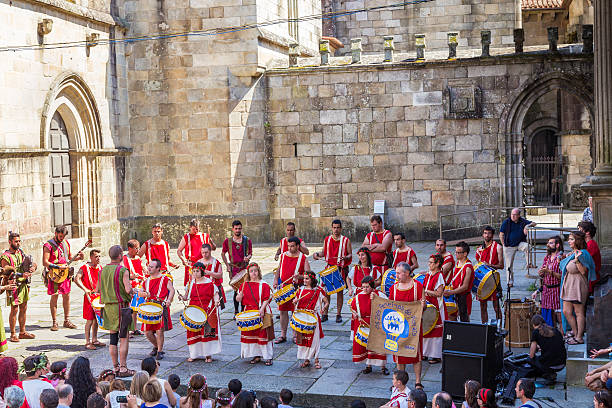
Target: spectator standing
x,y
9,377
550,275
525,390
587,214
471,388
151,366
49,399
35,368
65,394
589,230
285,396
513,236
14,397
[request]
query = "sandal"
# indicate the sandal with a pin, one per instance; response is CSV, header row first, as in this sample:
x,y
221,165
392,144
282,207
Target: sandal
x,y
268,362
572,341
568,334
208,359
98,343
419,386
190,360
255,360
305,364
317,365
366,370
435,361
90,346
126,373
384,370
280,340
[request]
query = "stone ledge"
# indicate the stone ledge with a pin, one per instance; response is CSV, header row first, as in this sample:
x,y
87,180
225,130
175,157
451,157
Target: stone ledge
x,y
78,11
20,153
283,42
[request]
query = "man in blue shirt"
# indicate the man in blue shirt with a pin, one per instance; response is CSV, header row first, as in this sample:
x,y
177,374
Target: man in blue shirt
x,y
513,237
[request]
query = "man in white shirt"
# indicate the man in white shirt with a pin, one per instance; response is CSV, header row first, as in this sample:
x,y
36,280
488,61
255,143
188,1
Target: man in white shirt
x,y
399,392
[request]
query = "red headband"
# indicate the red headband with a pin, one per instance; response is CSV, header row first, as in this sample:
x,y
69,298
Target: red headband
x,y
483,393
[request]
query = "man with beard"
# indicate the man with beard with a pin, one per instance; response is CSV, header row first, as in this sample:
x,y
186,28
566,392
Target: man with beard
x,y
18,298
550,274
490,253
449,262
239,250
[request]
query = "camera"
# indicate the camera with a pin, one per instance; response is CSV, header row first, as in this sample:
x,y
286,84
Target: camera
x,y
122,398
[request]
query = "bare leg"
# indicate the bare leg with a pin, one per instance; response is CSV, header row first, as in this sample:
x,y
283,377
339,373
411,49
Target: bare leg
x,y
452,317
88,325
160,339
66,304
569,316
94,331
558,322
497,308
580,321
151,337
13,319
340,302
123,351
53,307
284,321
401,367
326,308
23,308
417,371
484,313
112,350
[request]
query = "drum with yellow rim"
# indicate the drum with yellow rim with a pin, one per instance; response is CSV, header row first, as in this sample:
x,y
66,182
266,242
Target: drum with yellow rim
x,y
361,336
429,318
150,313
332,279
193,318
486,280
450,302
285,294
248,320
304,321
58,273
97,307
238,279
388,279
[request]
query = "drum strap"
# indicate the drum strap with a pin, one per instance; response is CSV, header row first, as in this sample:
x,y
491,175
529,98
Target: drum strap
x,y
357,307
163,244
188,240
118,281
159,287
55,249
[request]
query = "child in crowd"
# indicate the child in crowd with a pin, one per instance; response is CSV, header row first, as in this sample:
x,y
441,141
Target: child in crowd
x,y
58,373
235,386
286,396
224,398
174,382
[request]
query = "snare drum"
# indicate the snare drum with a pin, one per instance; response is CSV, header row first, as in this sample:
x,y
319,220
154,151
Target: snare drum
x,y
150,313
304,321
388,279
238,280
248,320
450,302
361,336
136,301
486,279
429,318
97,307
285,294
332,279
193,318
419,277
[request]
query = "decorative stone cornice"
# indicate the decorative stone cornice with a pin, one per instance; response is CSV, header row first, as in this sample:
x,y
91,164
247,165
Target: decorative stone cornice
x,y
20,153
76,10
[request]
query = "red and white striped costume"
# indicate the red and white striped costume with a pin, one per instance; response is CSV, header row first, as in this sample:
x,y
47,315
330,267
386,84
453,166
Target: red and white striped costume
x,y
158,250
489,255
458,277
357,274
448,259
193,249
361,304
403,256
379,259
334,249
432,341
136,271
414,294
310,299
284,244
399,399
202,295
215,266
90,276
287,267
258,342
158,289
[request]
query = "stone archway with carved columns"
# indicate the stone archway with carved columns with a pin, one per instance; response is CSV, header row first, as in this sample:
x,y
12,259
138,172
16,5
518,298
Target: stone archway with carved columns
x,y
70,96
511,136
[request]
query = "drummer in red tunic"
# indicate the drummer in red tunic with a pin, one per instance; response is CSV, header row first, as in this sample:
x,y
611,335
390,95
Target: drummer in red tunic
x,y
434,288
213,270
448,265
404,253
490,253
87,279
201,291
463,278
337,251
255,294
158,289
291,268
379,243
239,250
190,244
361,310
310,298
157,248
409,290
284,247
358,272
137,276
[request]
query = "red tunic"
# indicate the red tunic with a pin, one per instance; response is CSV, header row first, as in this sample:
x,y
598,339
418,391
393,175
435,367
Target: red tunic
x,y
458,277
334,249
255,293
158,250
431,283
289,266
378,258
202,295
449,276
362,305
403,256
58,256
134,265
488,255
158,288
359,273
284,244
215,266
307,300
593,250
238,253
193,249
90,281
413,294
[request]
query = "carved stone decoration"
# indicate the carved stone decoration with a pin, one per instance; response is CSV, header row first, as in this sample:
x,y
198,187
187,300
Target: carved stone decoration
x,y
462,102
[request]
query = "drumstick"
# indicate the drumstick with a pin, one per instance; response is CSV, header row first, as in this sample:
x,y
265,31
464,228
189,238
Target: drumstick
x,y
364,322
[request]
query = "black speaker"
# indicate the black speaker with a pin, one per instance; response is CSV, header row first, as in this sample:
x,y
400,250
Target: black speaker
x,y
470,351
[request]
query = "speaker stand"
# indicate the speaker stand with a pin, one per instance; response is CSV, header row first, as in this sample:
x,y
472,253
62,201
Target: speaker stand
x,y
508,319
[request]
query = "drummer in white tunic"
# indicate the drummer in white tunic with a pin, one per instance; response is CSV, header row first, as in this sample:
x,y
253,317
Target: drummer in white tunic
x,y
310,298
202,292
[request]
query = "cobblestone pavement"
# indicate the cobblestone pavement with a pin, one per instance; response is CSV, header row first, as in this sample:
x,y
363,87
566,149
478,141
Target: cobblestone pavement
x,y
339,377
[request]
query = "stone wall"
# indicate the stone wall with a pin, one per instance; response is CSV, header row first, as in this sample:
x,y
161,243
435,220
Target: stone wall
x,y
433,18
405,133
84,85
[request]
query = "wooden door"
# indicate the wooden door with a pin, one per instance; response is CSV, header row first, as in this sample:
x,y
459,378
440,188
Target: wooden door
x,y
59,174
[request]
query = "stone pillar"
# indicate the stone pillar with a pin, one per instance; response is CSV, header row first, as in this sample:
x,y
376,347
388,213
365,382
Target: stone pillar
x,y
599,318
356,50
485,39
419,41
389,47
519,40
587,38
324,51
452,45
553,38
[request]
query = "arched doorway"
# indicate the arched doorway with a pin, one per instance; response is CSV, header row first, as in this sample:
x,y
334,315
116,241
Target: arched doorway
x,y
60,179
544,167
